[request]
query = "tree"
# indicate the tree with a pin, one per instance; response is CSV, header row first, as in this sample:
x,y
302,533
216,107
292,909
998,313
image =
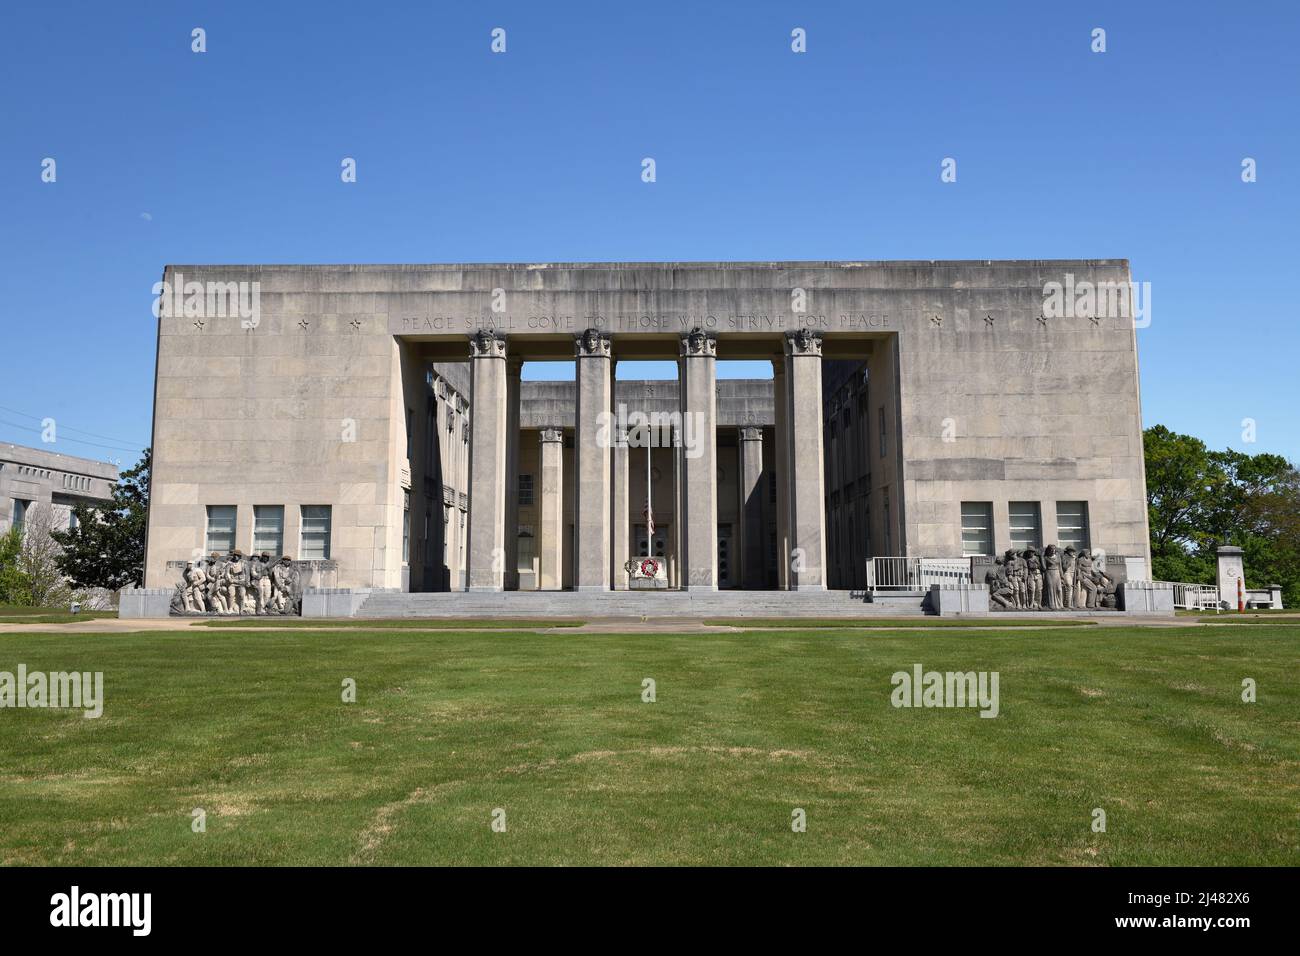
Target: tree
x,y
105,549
1199,499
41,580
12,588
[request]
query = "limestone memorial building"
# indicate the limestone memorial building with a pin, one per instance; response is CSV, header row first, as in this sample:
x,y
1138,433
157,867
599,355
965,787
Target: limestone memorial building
x,y
370,422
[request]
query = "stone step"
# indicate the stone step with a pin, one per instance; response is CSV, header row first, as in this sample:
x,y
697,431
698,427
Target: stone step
x,y
635,604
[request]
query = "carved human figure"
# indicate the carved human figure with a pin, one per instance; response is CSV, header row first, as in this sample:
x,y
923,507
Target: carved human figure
x,y
1034,578
1000,592
195,581
216,597
259,578
1052,592
1106,597
1068,561
235,577
283,583
1086,595
1016,575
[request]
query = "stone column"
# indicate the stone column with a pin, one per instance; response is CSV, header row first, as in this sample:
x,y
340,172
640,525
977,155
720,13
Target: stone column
x,y
550,530
781,436
1231,569
486,556
751,507
622,530
592,504
514,367
804,456
699,453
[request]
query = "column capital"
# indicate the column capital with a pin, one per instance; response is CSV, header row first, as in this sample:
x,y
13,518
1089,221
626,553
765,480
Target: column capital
x,y
803,342
550,433
698,343
751,432
487,344
593,343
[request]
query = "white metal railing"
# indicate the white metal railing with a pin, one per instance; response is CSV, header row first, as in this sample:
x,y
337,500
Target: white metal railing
x,y
1193,597
915,574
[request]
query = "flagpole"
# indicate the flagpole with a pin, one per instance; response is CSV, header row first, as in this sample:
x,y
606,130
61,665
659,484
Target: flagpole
x,y
649,514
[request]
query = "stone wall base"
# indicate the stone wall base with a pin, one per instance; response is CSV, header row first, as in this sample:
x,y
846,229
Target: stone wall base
x,y
336,602
949,600
1145,597
139,603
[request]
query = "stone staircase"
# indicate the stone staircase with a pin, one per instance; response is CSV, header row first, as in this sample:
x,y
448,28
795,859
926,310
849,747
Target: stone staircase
x,y
635,605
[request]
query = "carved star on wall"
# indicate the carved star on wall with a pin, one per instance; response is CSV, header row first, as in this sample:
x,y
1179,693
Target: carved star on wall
x,y
1095,320
988,321
1042,320
198,324
937,321
303,324
356,325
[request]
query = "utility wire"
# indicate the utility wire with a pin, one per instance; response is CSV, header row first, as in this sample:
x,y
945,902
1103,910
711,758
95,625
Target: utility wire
x,y
75,441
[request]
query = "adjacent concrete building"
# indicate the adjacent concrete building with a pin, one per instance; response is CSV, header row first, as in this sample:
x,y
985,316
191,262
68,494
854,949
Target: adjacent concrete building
x,y
373,420
33,478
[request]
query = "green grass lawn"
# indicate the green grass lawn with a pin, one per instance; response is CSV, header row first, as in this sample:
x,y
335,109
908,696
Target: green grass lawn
x,y
922,622
16,614
398,623
1145,723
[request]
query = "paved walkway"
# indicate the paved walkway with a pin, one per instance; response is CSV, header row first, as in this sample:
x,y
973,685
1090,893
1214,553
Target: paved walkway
x,y
611,625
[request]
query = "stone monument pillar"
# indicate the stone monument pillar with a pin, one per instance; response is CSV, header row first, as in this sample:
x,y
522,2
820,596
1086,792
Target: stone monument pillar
x,y
782,468
622,549
486,558
806,495
514,367
699,457
592,505
751,507
550,530
1231,569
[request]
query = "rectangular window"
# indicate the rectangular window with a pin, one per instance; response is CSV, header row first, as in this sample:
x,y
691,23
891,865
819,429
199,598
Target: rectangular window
x,y
20,511
1072,524
527,548
889,531
406,527
976,528
315,532
1025,524
881,429
221,528
268,530
526,490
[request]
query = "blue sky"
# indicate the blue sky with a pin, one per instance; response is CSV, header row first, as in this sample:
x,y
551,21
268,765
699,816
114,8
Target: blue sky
x,y
233,155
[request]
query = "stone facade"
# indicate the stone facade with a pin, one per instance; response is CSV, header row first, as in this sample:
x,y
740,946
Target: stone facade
x,y
911,403
34,477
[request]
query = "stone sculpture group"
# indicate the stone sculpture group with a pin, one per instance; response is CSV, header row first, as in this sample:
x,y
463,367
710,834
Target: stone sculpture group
x,y
1051,581
233,585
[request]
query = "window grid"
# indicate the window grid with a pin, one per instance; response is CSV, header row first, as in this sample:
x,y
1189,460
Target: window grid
x,y
268,529
220,536
976,528
315,532
1072,524
1025,524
